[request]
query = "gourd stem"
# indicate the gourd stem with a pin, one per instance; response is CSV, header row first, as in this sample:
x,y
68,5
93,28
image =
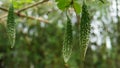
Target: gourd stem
x,y
67,15
84,1
12,1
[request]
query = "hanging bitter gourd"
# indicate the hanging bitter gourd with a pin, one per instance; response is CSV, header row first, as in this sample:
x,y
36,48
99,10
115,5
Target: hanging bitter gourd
x,y
67,44
84,31
11,26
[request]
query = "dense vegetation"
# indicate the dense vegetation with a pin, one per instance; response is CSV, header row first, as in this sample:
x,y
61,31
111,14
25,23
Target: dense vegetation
x,y
44,26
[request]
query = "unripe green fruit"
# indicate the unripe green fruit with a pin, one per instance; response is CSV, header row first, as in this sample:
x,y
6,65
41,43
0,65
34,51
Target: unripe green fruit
x,y
11,26
84,31
67,44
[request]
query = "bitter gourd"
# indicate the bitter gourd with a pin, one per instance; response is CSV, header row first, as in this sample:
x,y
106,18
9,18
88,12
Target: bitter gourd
x,y
11,25
84,31
67,44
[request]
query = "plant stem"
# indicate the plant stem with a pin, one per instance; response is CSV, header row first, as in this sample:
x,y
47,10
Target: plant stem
x,y
23,16
32,5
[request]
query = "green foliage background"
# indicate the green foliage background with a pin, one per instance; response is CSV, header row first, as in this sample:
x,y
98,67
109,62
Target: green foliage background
x,y
39,44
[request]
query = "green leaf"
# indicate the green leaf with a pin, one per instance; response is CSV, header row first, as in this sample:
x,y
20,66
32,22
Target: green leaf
x,y
20,3
77,7
62,4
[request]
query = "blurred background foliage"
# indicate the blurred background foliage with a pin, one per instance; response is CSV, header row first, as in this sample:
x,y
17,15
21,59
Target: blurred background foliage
x,y
39,44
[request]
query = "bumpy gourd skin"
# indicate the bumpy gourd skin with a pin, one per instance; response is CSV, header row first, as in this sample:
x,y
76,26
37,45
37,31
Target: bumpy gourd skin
x,y
84,31
11,26
67,44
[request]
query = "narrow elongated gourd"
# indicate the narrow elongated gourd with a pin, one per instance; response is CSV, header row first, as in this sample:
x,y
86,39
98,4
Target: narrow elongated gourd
x,y
84,31
67,44
11,26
